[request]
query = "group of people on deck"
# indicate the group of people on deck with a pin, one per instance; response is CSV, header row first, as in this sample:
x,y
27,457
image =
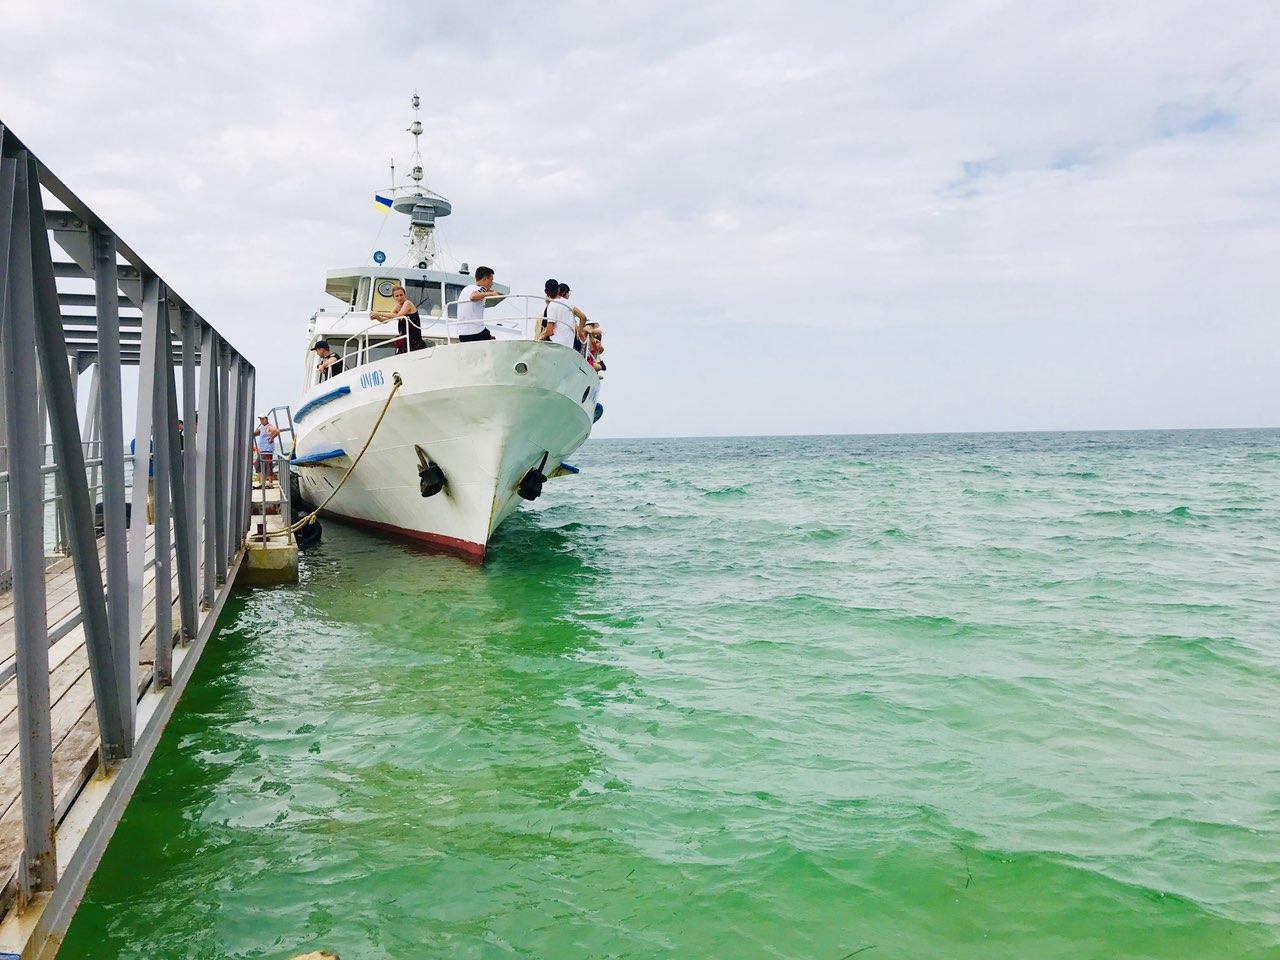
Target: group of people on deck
x,y
562,322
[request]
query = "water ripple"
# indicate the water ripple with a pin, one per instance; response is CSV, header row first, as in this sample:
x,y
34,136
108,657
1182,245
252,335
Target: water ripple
x,y
1002,695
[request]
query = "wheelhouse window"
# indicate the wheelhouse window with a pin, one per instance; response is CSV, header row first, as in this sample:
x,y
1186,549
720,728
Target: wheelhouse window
x,y
426,295
451,293
361,301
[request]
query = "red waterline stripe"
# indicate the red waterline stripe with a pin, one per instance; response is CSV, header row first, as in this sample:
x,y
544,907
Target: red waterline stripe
x,y
462,548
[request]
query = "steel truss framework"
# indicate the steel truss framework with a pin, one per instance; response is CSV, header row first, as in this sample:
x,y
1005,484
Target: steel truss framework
x,y
199,480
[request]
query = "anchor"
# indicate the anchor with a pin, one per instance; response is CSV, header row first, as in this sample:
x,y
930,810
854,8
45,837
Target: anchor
x,y
531,483
431,478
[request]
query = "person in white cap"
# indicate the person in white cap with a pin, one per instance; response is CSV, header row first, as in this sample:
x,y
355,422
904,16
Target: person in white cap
x,y
267,449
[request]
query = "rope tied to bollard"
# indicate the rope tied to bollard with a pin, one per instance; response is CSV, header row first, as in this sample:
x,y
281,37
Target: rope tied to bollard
x,y
396,384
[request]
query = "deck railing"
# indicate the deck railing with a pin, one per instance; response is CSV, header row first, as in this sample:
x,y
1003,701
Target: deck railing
x,y
525,322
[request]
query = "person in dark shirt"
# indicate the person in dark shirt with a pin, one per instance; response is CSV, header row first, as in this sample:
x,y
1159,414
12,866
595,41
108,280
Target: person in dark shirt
x,y
406,312
330,363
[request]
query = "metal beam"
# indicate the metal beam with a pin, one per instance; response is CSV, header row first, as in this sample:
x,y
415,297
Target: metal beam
x,y
246,460
69,455
190,467
143,470
5,577
126,359
241,426
221,430
251,386
93,434
206,462
106,285
64,220
86,328
176,480
38,869
131,321
73,271
155,312
236,458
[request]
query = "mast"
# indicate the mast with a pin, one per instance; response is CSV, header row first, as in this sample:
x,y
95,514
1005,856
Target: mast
x,y
422,205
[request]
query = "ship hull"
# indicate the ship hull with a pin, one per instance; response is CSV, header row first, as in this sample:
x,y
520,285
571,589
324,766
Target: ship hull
x,y
487,413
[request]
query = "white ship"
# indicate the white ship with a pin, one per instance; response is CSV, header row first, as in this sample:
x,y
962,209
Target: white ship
x,y
473,427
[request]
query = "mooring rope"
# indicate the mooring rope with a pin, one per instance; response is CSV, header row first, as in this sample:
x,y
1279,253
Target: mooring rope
x,y
396,384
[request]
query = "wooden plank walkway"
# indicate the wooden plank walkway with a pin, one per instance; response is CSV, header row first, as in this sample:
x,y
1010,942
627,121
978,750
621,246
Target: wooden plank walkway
x,y
74,720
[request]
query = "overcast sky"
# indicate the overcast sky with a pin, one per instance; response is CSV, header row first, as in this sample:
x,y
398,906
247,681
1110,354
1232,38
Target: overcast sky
x,y
790,218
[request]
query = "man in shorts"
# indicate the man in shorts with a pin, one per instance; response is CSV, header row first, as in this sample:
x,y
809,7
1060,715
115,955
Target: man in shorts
x,y
266,437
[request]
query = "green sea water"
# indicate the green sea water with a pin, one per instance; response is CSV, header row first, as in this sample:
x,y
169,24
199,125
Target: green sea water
x,y
975,696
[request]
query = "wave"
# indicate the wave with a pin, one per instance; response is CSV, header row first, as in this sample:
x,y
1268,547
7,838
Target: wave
x,y
995,496
725,493
822,534
1190,654
1128,513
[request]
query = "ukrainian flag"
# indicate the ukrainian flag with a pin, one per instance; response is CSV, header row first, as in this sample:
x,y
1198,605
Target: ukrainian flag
x,y
381,204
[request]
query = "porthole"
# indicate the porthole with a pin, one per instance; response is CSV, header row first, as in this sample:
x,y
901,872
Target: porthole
x,y
385,287
522,368
585,394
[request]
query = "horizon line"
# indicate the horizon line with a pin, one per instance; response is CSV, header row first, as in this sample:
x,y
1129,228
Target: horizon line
x,y
933,433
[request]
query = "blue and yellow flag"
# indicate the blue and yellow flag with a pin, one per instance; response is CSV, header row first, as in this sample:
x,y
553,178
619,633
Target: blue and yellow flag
x,y
381,204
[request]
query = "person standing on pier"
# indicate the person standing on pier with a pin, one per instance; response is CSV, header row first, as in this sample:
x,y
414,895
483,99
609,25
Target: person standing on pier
x,y
267,450
470,322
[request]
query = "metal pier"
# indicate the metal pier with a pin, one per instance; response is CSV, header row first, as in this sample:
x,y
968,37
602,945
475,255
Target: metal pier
x,y
116,566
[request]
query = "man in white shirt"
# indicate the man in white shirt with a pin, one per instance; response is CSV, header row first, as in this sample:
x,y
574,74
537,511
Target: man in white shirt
x,y
470,323
559,325
581,317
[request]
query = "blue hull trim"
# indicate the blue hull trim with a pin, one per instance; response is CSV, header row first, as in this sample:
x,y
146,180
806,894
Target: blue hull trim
x,y
320,401
318,457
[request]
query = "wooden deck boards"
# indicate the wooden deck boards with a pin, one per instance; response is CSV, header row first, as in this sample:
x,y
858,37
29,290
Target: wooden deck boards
x,y
62,603
74,720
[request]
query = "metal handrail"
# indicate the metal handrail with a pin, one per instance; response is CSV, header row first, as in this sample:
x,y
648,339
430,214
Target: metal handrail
x,y
528,325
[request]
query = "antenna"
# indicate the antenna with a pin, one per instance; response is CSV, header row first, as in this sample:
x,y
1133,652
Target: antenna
x,y
414,199
416,129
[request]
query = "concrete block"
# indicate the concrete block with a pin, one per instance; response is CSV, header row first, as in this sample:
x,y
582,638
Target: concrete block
x,y
276,562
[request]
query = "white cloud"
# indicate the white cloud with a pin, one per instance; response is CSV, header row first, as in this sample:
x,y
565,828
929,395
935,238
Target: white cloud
x,y
1073,207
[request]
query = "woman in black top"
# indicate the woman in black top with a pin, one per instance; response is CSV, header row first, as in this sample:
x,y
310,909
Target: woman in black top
x,y
406,312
